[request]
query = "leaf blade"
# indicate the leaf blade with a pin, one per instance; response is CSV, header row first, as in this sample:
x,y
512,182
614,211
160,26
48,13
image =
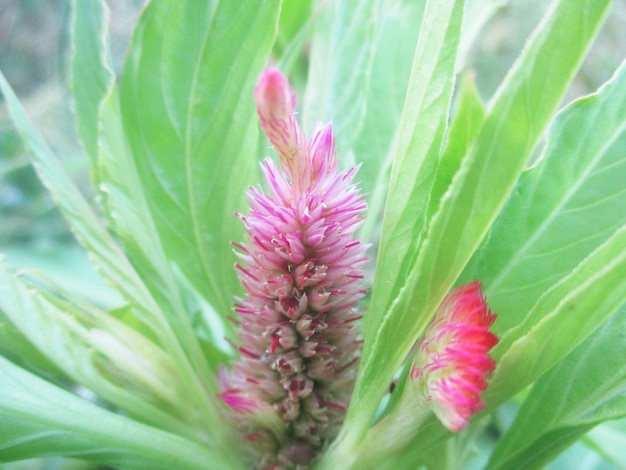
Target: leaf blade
x,y
587,388
200,112
91,72
38,419
430,90
563,208
562,318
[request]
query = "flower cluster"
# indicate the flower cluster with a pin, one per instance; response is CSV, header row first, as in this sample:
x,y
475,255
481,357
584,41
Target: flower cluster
x,y
302,270
452,362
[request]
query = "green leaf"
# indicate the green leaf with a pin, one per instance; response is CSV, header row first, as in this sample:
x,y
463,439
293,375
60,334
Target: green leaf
x,y
91,73
87,227
562,209
38,419
426,109
82,341
342,49
561,319
16,347
112,263
188,114
463,131
129,210
389,77
585,389
406,299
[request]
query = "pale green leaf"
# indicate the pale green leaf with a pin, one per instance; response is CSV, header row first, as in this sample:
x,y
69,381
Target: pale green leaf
x,y
562,209
389,77
128,209
91,73
86,225
38,419
426,109
342,49
68,335
188,114
463,131
588,387
562,317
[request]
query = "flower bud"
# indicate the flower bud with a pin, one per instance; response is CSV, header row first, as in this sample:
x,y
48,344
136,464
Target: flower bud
x,y
452,362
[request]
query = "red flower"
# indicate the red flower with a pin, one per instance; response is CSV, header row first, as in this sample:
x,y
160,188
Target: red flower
x,y
453,362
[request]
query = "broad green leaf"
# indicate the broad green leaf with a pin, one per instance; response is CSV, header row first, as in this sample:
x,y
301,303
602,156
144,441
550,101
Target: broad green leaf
x,y
188,114
342,49
108,258
391,67
562,318
129,210
562,209
585,389
87,227
91,74
426,110
38,419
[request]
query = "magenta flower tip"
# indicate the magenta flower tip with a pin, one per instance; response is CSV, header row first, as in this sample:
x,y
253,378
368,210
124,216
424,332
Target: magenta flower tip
x,y
302,270
274,97
239,403
453,362
276,104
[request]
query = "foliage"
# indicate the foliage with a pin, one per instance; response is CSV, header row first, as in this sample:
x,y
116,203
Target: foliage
x,y
527,199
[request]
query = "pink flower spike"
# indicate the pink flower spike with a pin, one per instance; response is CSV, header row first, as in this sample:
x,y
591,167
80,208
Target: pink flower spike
x,y
301,268
452,362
